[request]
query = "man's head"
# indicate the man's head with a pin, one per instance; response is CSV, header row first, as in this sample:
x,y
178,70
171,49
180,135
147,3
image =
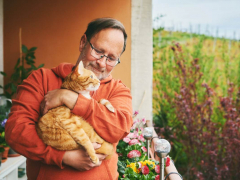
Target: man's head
x,y
103,42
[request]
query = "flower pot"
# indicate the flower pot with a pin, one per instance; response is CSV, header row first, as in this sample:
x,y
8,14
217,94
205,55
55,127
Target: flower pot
x,y
0,159
12,153
5,154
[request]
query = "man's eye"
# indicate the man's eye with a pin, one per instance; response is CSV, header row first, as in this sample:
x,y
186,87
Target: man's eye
x,y
112,58
97,51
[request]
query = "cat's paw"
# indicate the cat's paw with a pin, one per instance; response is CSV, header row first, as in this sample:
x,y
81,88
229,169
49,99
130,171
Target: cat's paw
x,y
95,159
107,104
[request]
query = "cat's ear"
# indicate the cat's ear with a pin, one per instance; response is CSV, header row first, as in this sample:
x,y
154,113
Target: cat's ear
x,y
80,68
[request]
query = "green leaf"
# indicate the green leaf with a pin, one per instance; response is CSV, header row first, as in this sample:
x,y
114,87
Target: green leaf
x,y
17,64
33,49
121,167
13,88
41,65
24,49
3,73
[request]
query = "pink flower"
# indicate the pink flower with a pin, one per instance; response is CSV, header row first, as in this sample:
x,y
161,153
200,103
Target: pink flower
x,y
131,135
144,120
144,149
133,154
157,177
145,170
141,138
136,113
134,141
126,139
157,169
139,165
168,162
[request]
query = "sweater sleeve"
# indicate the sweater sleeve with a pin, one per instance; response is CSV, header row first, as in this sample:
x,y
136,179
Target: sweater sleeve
x,y
20,129
110,126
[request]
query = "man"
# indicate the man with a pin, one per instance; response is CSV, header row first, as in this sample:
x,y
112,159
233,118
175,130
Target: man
x,y
101,46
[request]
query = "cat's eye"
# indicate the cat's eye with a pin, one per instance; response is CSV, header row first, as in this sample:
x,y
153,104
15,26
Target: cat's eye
x,y
91,76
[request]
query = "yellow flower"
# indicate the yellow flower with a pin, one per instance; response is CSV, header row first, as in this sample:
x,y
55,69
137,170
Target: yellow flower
x,y
134,168
144,163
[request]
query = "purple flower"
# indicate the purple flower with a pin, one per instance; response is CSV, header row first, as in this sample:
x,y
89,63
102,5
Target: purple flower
x,y
3,122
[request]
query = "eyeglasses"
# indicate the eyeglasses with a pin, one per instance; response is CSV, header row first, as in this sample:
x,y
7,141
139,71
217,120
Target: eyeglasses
x,y
110,60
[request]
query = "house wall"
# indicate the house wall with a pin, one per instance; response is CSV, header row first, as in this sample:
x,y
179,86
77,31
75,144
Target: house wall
x,y
1,43
141,57
55,27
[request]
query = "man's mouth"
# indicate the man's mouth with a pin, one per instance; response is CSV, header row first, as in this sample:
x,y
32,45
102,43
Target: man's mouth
x,y
96,70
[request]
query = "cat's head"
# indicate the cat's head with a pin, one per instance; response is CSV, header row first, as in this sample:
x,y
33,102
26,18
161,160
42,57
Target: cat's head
x,y
82,79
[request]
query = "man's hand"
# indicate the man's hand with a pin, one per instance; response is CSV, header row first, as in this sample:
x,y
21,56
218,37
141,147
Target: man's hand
x,y
80,160
57,98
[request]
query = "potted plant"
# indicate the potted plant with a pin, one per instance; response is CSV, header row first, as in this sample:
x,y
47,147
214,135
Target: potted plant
x,y
5,106
23,68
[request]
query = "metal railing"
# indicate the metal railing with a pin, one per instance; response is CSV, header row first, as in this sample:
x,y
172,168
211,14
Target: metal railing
x,y
171,167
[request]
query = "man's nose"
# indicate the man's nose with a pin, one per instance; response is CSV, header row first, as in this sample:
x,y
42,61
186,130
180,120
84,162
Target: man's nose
x,y
102,61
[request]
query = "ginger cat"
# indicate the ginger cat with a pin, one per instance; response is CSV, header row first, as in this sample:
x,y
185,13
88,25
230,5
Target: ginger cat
x,y
63,130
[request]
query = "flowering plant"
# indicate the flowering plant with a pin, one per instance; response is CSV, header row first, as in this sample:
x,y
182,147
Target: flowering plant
x,y
5,106
133,162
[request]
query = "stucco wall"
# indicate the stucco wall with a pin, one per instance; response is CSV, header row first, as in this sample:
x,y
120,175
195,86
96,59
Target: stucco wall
x,y
1,43
141,69
55,27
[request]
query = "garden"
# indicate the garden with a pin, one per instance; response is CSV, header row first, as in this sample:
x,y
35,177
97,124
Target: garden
x,y
196,102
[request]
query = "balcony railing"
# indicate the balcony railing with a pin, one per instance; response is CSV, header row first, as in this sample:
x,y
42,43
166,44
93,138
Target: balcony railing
x,y
171,167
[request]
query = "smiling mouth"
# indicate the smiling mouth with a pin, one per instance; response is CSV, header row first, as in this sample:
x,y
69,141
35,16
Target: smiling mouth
x,y
96,70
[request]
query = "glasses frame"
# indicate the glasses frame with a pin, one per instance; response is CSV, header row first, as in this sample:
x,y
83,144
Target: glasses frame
x,y
107,57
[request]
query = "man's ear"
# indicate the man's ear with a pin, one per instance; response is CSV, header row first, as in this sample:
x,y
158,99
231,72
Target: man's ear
x,y
83,42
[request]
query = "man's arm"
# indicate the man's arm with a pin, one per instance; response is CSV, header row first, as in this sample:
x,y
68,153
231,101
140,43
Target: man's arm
x,y
110,126
20,129
21,133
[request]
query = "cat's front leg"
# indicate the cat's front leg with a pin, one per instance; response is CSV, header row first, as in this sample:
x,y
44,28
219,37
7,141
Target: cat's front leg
x,y
74,129
107,104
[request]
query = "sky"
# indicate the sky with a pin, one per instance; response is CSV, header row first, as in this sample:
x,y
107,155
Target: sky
x,y
213,17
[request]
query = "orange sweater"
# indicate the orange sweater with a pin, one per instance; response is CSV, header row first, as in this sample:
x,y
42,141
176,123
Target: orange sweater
x,y
45,162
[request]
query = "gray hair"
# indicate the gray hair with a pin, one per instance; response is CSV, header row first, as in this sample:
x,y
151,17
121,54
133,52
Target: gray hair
x,y
99,24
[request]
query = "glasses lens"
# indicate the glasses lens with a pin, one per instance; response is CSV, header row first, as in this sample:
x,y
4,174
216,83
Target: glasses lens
x,y
96,54
112,62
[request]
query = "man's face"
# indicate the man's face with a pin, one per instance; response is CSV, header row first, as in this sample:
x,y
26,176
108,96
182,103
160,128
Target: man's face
x,y
110,42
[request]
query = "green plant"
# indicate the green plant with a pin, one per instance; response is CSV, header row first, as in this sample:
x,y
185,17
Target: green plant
x,y
23,68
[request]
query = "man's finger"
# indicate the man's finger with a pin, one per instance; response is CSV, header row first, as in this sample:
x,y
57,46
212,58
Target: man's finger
x,y
101,156
96,145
